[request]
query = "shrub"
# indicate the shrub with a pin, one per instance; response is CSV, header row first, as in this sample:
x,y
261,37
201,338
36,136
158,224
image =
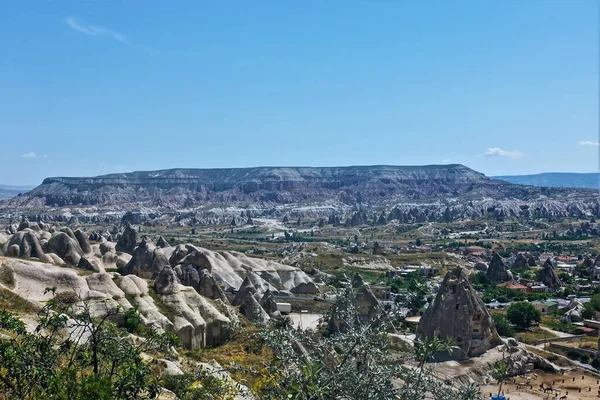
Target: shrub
x,y
523,314
503,326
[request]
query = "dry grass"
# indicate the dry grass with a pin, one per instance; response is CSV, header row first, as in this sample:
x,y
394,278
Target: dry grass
x,y
245,352
11,302
530,335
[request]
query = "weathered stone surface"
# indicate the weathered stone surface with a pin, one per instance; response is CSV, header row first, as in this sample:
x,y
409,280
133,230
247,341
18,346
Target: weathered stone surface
x,y
520,262
268,304
246,288
531,261
28,243
147,261
65,247
252,309
166,282
12,250
497,271
88,265
83,241
306,288
366,302
548,277
574,312
208,287
161,242
458,313
357,281
128,240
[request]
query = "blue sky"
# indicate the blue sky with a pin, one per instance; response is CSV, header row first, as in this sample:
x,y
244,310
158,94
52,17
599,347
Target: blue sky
x,y
94,87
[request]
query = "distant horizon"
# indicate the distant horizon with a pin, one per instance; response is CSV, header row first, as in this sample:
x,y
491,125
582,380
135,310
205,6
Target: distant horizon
x,y
2,184
93,88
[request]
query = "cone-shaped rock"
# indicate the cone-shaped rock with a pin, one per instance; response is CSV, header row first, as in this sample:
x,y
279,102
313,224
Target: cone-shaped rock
x,y
458,313
147,260
531,261
128,240
520,262
166,282
247,287
357,281
252,309
83,241
269,305
65,247
548,276
161,242
497,271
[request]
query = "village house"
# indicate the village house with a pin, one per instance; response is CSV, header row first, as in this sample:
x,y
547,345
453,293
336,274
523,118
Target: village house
x,y
546,307
513,286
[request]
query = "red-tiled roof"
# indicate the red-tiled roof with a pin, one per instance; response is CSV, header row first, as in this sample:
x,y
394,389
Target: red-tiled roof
x,y
511,285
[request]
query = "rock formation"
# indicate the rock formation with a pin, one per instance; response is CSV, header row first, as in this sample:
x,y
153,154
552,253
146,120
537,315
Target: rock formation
x,y
161,242
497,271
28,244
147,261
520,262
548,277
244,291
128,240
268,304
83,241
574,312
531,261
458,313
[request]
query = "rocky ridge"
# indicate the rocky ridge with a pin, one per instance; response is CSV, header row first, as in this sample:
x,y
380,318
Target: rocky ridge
x,y
239,195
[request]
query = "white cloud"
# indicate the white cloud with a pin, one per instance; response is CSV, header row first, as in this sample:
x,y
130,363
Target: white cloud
x,y
498,152
93,30
589,143
29,155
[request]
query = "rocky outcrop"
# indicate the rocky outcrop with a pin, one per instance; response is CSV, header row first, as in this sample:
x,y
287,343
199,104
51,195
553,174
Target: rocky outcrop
x,y
28,244
458,313
162,242
531,261
306,288
574,312
230,268
497,271
128,240
548,277
247,289
147,261
182,310
267,302
166,282
520,262
83,241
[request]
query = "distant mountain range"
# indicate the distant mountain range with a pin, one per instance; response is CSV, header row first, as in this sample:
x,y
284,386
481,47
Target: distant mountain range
x,y
556,179
7,191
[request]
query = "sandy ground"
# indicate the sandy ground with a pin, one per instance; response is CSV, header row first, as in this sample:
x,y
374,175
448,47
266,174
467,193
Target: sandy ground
x,y
589,386
305,320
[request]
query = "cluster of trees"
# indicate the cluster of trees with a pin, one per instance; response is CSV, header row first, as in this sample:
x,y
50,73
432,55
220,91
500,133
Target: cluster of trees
x,y
521,315
72,355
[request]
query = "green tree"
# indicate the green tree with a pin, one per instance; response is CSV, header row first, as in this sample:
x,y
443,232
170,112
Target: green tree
x,y
503,326
95,359
522,314
500,372
353,361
